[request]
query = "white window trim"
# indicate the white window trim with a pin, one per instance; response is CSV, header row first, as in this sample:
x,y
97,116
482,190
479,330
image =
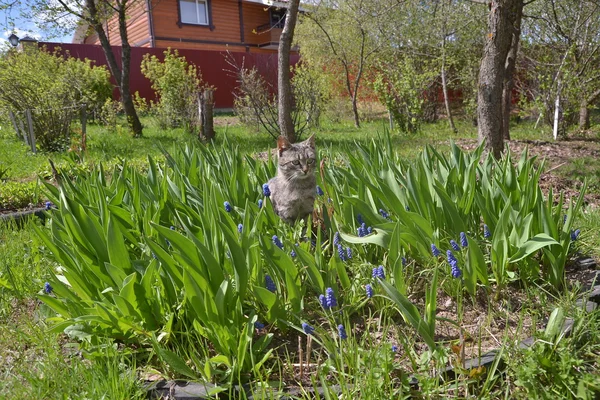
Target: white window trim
x,y
206,14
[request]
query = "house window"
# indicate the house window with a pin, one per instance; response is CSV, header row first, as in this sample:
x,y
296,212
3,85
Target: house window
x,y
194,12
277,17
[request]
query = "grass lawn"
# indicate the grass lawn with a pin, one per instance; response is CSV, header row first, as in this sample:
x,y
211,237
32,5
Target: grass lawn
x,y
37,362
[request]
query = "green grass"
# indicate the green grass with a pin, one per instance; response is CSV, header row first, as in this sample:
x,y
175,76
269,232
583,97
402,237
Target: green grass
x,y
37,364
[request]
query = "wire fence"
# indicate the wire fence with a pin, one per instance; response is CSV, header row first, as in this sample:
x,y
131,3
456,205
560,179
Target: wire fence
x,y
50,124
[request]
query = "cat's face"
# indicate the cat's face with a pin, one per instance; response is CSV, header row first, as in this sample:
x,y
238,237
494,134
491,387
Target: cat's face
x,y
297,161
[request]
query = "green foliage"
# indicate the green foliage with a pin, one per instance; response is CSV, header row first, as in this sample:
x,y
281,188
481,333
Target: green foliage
x,y
53,88
256,102
400,88
15,194
177,84
556,365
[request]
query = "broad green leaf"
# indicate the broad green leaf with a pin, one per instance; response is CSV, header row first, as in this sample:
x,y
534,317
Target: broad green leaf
x,y
532,245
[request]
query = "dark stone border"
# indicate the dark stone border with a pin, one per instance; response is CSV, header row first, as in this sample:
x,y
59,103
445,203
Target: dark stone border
x,y
20,217
588,301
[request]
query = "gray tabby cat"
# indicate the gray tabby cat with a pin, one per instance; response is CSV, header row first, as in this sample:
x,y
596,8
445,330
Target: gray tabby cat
x,y
293,190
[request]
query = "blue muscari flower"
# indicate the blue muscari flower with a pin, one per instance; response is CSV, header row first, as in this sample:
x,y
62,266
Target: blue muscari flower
x,y
154,256
240,228
407,208
293,253
378,272
369,230
486,231
456,272
172,228
575,234
348,253
277,242
342,332
369,290
434,250
454,245
384,214
564,219
394,348
359,219
266,190
320,191
323,301
259,325
341,252
450,256
330,299
227,206
269,284
47,288
336,239
361,231
260,203
309,330
463,240
404,261
48,205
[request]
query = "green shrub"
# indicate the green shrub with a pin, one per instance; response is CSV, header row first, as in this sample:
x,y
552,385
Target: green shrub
x,y
177,84
53,87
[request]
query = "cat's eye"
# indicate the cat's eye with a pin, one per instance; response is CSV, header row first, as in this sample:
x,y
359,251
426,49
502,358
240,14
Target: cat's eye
x,y
310,161
296,162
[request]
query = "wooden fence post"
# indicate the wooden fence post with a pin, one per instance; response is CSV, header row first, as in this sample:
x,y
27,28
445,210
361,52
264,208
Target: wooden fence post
x,y
14,122
207,130
31,134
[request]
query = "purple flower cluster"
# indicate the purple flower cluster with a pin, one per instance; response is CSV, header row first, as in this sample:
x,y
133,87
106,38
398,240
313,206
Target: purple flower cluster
x,y
260,203
342,332
369,290
336,239
259,325
486,232
330,300
269,284
240,228
456,272
362,230
277,242
227,206
463,240
48,205
47,288
384,213
309,330
434,250
454,245
266,190
575,234
320,191
378,272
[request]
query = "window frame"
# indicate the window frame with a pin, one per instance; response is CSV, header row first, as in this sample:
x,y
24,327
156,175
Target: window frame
x,y
208,5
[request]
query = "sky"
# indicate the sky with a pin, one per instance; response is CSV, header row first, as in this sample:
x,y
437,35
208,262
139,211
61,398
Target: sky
x,y
12,22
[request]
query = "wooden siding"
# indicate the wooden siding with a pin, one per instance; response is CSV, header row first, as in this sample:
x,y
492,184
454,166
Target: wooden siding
x,y
224,33
138,27
255,15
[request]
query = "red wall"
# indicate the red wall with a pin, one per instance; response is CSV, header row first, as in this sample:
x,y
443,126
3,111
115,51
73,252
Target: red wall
x,y
213,65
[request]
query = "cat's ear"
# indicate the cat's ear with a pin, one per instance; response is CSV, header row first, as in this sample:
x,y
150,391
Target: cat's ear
x,y
283,144
311,141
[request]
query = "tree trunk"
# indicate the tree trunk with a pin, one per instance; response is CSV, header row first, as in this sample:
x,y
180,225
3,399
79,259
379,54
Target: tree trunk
x,y
509,71
584,116
284,86
445,87
120,75
501,20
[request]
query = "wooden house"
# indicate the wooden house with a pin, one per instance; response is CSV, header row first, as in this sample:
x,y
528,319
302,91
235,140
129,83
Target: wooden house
x,y
234,25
